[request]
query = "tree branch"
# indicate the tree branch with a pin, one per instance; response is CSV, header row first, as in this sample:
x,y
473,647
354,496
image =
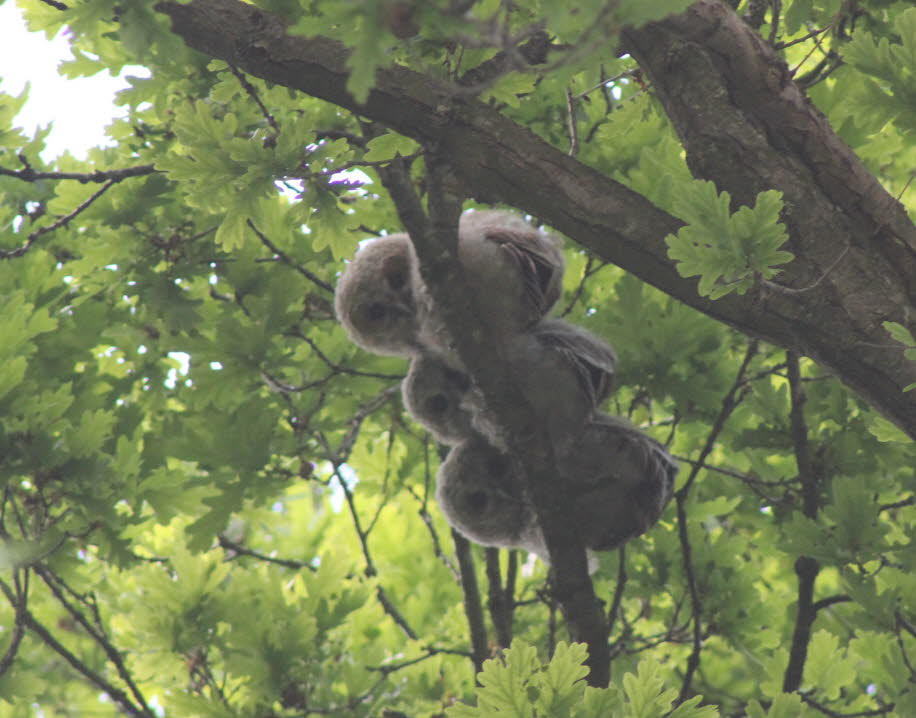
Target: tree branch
x,y
57,224
238,549
27,174
19,602
435,239
472,608
830,601
285,258
731,400
499,603
821,708
57,586
116,694
806,568
831,199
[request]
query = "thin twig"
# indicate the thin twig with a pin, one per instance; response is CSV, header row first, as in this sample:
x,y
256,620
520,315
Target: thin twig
x,y
96,176
905,624
393,612
337,459
62,222
729,403
19,604
116,694
590,269
95,630
775,9
389,668
286,260
796,41
830,601
616,601
571,125
730,472
806,567
237,548
820,707
532,51
604,83
434,535
789,291
898,504
253,94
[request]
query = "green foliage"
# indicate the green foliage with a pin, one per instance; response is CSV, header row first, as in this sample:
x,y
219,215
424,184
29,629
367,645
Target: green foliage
x,y
905,337
213,503
890,65
730,252
521,686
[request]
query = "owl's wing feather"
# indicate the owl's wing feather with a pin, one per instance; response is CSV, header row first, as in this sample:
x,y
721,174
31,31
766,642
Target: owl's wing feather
x,y
539,263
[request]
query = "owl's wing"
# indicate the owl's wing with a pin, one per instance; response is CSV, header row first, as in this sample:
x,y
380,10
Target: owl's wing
x,y
539,262
593,360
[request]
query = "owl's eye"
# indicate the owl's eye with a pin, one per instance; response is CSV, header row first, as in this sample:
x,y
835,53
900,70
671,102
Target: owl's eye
x,y
394,269
375,312
437,404
396,280
497,465
458,379
478,500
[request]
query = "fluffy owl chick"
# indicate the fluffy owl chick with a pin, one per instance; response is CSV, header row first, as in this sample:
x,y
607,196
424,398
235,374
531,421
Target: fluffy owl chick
x,y
563,370
514,270
620,481
433,394
375,299
481,494
617,480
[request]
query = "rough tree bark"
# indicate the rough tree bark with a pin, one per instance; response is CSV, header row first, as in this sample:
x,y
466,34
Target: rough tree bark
x,y
744,124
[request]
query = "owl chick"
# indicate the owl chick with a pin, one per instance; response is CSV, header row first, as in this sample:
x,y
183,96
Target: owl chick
x,y
514,270
621,480
375,299
433,394
563,370
481,494
617,481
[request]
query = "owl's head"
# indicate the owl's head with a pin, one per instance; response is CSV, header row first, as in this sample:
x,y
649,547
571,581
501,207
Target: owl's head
x,y
481,493
433,393
374,299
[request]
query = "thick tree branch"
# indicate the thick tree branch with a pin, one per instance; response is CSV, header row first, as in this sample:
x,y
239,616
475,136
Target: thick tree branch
x,y
783,143
748,127
744,124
